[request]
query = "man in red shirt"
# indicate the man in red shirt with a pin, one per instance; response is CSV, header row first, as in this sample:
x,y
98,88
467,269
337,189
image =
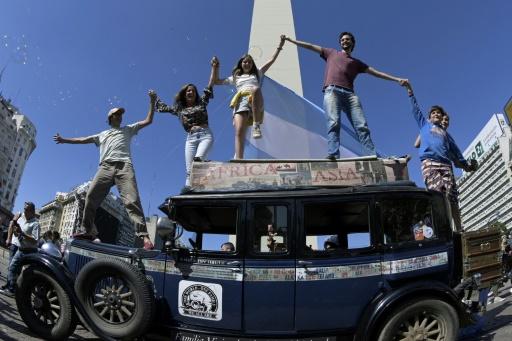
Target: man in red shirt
x,y
341,70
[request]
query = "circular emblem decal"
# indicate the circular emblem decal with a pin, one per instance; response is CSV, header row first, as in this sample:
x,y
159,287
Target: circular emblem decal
x,y
199,301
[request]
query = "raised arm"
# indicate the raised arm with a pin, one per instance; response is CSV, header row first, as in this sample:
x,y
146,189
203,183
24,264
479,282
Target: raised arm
x,y
214,74
268,64
416,111
383,75
305,45
73,140
151,112
215,68
161,106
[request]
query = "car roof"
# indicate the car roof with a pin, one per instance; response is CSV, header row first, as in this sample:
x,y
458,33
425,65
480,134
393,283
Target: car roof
x,y
397,186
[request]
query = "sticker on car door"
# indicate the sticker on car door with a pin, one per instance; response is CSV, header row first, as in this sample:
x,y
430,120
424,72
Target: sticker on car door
x,y
200,300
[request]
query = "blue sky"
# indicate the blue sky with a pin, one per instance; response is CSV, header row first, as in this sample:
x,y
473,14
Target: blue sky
x,y
68,62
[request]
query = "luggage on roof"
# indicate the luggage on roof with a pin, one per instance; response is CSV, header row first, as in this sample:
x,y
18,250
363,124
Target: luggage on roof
x,y
244,175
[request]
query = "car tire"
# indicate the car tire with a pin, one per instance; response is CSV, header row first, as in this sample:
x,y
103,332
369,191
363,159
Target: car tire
x,y
44,305
416,319
116,296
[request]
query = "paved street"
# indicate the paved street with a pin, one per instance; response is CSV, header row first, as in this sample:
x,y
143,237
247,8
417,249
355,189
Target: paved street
x,y
496,324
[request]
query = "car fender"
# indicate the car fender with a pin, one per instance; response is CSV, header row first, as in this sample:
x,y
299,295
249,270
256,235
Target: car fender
x,y
66,280
389,299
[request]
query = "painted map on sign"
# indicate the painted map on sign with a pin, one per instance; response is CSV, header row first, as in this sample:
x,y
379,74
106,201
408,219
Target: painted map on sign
x,y
254,175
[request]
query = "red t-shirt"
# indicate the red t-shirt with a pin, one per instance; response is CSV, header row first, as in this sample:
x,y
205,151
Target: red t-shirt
x,y
341,69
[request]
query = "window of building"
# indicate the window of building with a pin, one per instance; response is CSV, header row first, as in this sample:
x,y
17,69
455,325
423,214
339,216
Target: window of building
x,y
407,220
336,226
207,228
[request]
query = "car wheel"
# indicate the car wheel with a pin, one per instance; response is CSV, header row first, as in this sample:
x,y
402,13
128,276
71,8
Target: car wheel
x,y
44,306
427,319
116,296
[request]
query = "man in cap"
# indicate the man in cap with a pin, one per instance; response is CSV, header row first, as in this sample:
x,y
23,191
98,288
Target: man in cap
x,y
23,234
115,168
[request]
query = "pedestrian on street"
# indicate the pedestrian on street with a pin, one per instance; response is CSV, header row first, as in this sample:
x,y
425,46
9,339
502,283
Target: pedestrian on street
x,y
115,168
190,108
341,69
437,151
25,235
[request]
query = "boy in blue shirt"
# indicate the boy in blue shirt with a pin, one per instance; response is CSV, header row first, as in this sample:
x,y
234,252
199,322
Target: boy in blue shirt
x,y
437,152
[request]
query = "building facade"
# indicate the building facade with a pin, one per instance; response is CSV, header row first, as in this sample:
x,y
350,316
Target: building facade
x,y
64,214
486,195
17,142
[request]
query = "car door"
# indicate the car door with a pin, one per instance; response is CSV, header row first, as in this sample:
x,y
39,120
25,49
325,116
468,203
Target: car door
x,y
338,267
269,283
416,237
204,282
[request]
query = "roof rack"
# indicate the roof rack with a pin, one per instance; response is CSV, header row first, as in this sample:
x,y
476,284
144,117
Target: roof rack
x,y
252,175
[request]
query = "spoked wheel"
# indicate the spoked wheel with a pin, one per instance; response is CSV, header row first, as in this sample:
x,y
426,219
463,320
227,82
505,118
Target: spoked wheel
x,y
114,301
44,306
426,320
116,296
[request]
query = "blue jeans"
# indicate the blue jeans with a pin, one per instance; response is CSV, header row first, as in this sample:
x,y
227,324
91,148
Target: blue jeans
x,y
15,268
12,251
336,100
198,144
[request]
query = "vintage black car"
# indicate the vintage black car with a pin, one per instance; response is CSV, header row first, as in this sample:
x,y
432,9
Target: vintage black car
x,y
376,261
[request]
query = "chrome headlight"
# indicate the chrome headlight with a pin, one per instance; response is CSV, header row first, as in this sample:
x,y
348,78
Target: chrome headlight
x,y
52,250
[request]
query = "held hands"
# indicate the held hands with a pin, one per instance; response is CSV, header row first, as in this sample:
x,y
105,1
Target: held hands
x,y
215,62
281,42
403,82
152,95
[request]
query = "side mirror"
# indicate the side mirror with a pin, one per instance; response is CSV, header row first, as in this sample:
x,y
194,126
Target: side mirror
x,y
165,228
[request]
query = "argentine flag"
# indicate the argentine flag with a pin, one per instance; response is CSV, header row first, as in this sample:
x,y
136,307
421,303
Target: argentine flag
x,y
294,128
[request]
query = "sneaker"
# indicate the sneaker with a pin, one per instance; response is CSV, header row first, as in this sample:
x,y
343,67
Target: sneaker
x,y
186,189
7,292
331,157
197,159
96,240
256,132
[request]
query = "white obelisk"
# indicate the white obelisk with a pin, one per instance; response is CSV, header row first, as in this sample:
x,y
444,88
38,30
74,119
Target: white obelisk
x,y
270,19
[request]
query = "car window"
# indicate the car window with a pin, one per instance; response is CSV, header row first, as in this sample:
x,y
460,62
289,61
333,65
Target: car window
x,y
336,227
270,229
407,220
207,228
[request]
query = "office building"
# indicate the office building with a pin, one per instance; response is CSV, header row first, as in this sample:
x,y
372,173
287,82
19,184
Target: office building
x,y
65,212
17,142
486,195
